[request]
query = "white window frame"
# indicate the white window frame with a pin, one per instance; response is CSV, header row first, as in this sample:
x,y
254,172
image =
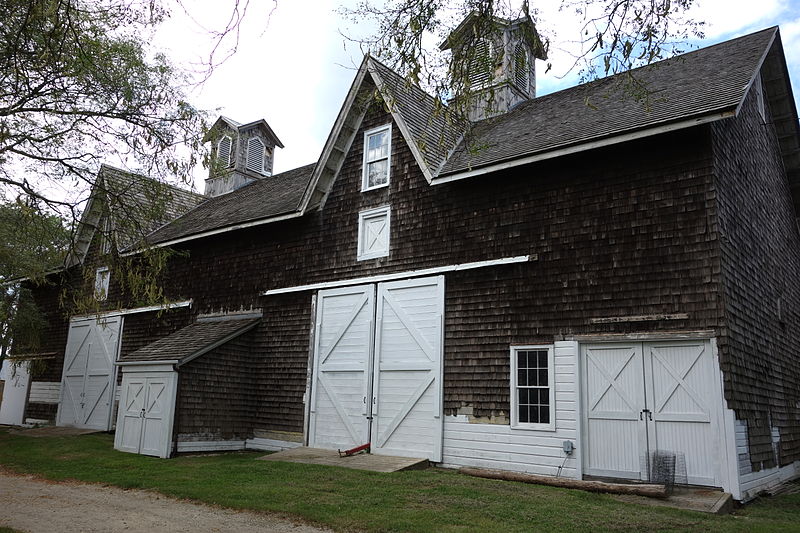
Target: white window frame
x,y
514,399
102,281
760,103
107,237
364,175
230,152
251,141
370,213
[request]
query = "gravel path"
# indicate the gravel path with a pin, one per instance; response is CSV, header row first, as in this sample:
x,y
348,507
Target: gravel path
x,y
34,505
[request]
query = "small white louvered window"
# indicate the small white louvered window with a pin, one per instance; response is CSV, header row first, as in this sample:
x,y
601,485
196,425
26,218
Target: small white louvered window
x,y
255,155
224,149
102,277
521,67
481,64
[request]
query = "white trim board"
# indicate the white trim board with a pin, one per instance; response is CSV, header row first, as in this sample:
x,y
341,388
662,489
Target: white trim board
x,y
119,312
403,275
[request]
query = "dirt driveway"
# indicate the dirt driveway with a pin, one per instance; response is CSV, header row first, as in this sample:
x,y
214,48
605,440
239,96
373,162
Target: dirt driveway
x,y
34,505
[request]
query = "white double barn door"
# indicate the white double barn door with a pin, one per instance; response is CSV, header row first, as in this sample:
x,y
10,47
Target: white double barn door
x,y
378,368
145,420
640,398
87,384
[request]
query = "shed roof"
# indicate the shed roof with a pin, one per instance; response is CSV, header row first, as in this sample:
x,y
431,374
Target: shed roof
x,y
191,342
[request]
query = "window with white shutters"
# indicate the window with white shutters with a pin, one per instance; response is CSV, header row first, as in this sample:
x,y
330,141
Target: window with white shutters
x,y
224,151
255,155
377,157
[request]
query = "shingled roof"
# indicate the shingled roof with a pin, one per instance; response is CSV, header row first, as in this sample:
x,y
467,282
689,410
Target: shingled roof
x,y
138,206
191,342
263,199
432,125
704,83
701,86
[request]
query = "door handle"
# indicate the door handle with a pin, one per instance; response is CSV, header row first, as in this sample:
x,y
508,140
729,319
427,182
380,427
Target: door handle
x,y
648,412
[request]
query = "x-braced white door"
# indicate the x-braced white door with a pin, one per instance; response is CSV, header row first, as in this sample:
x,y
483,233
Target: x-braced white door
x,y
342,358
639,398
87,384
144,423
378,368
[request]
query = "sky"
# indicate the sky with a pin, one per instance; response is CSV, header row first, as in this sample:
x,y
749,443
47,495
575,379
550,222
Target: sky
x,y
293,68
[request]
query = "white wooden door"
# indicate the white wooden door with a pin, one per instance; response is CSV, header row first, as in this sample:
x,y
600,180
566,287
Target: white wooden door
x,y
342,357
378,368
683,401
407,372
640,398
14,392
88,379
128,434
157,416
145,418
614,398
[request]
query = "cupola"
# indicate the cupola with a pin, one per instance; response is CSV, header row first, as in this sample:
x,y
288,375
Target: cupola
x,y
493,65
240,154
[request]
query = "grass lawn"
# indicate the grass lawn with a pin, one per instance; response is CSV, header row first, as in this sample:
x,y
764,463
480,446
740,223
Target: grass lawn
x,y
427,500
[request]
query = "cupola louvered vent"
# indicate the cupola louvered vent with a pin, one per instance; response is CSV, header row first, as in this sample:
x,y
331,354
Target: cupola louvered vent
x,y
224,149
481,63
255,155
521,66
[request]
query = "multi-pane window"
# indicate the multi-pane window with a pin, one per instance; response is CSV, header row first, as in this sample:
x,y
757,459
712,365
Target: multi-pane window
x,y
373,233
102,277
532,393
759,89
377,157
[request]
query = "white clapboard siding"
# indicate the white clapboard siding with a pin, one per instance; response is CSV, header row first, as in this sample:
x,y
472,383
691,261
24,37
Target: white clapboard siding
x,y
752,483
271,445
44,392
504,448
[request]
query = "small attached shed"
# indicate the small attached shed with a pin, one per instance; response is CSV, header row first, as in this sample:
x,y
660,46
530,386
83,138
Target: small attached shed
x,y
183,387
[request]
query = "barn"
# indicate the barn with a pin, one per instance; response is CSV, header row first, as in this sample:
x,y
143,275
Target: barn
x,y
572,284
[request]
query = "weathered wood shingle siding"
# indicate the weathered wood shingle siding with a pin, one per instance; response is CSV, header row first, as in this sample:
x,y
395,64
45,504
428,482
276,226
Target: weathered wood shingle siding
x,y
626,230
760,258
52,340
282,346
218,393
